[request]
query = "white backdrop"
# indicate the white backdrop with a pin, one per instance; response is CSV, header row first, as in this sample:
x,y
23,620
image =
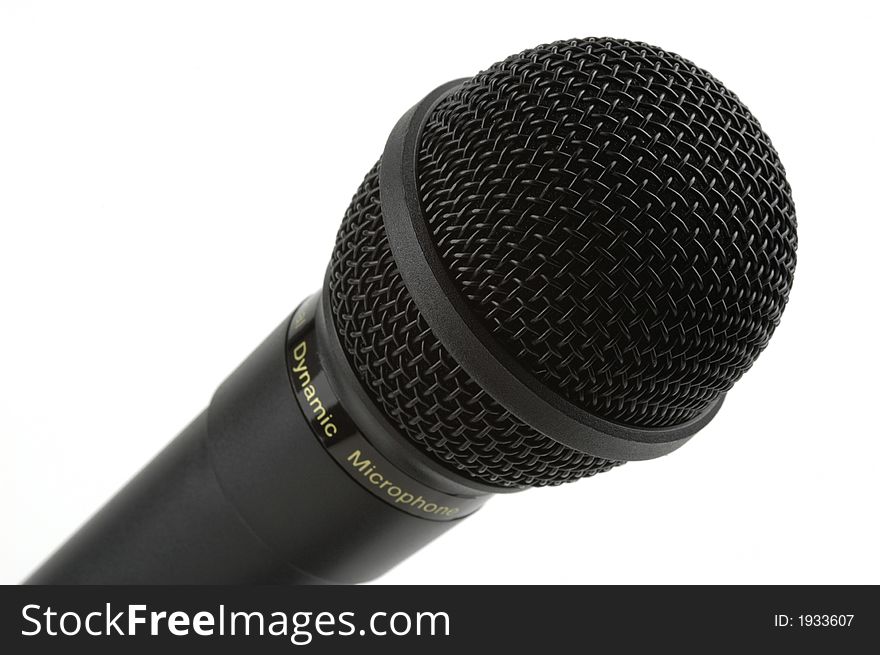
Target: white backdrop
x,y
169,169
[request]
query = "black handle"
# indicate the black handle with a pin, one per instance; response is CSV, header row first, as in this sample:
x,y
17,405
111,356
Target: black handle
x,y
171,524
245,495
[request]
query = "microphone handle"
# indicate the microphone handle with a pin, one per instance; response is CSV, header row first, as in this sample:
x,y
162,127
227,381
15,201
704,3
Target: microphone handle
x,y
246,494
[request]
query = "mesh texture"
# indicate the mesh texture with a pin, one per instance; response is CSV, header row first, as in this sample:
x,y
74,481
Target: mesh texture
x,y
414,380
614,216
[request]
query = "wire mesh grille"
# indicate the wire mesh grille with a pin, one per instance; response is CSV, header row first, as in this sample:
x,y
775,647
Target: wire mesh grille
x,y
616,218
412,377
619,221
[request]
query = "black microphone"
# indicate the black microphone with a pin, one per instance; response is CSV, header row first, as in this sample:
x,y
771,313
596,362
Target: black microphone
x,y
557,266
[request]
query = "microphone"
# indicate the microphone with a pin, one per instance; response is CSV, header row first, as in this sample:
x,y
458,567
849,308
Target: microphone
x,y
557,266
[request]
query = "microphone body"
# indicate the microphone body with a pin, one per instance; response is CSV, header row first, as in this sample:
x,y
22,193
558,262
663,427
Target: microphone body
x,y
291,475
560,265
249,494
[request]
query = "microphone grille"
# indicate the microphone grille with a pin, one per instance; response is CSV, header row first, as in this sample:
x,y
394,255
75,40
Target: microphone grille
x,y
618,220
411,377
613,215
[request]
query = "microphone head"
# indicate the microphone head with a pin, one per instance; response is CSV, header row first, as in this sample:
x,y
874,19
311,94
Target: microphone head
x,y
615,219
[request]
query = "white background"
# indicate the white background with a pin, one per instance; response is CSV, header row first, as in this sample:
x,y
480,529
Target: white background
x,y
172,175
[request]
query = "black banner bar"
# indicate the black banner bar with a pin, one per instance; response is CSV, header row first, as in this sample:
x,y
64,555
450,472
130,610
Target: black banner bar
x,y
513,619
